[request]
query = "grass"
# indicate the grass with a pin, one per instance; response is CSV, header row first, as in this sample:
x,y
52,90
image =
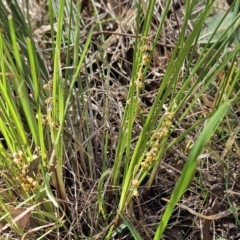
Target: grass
x,y
103,131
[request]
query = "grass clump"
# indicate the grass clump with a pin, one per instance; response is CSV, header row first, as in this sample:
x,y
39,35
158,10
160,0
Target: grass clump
x,y
113,114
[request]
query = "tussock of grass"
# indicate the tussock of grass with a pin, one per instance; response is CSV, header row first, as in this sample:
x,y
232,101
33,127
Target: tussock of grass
x,y
118,120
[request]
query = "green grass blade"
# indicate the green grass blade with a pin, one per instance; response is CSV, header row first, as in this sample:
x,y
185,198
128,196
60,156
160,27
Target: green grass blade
x,y
134,233
100,191
15,45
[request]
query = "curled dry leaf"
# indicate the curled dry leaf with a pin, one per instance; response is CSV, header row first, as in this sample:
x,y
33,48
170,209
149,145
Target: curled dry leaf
x,y
20,216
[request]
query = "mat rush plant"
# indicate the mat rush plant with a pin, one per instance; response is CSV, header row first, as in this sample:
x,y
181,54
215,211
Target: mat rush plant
x,y
80,161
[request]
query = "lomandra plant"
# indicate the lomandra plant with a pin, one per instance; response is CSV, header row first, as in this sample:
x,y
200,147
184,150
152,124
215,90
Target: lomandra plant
x,y
26,125
153,141
46,118
33,109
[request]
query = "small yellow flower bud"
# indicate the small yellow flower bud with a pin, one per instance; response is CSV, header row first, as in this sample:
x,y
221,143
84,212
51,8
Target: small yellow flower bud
x,y
157,145
16,155
135,193
169,124
37,149
16,160
135,182
20,153
34,156
149,159
49,100
140,85
140,75
144,165
145,59
26,187
158,135
149,154
155,149
35,183
25,166
142,48
145,48
165,132
151,144
29,179
44,121
154,154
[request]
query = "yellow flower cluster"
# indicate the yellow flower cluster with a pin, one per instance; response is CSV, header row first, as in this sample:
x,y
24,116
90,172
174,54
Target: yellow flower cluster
x,y
158,137
45,120
155,146
28,183
151,155
135,184
145,49
48,86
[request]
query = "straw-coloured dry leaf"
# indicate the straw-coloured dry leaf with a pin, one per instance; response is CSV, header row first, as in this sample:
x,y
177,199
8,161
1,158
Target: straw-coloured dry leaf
x,y
20,216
